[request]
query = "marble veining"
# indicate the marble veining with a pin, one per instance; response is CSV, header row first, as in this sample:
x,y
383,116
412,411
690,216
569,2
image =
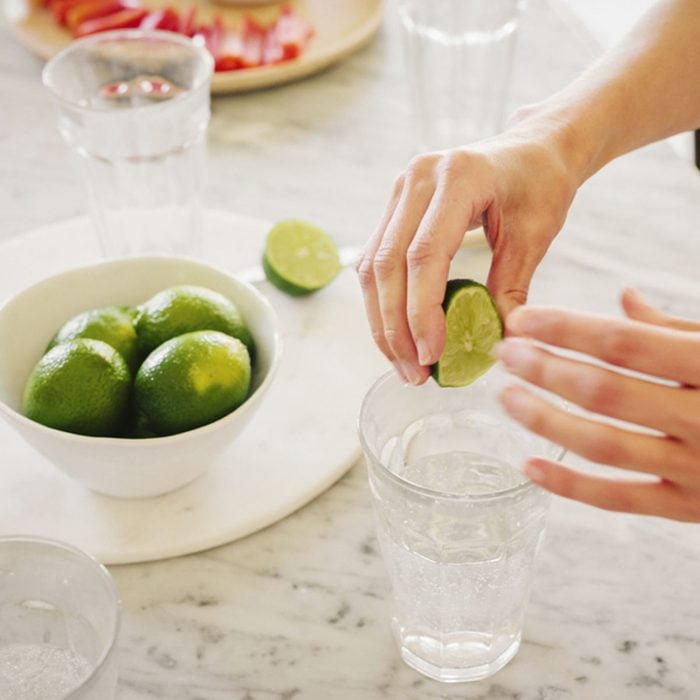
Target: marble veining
x,y
298,611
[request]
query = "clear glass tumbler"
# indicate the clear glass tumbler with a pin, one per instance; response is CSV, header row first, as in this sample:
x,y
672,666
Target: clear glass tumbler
x,y
134,108
458,524
59,620
458,56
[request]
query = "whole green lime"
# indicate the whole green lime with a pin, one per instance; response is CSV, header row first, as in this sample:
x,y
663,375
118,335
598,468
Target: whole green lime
x,y
80,386
188,308
191,380
113,325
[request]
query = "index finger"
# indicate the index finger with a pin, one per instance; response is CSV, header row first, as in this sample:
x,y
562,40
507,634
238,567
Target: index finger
x,y
437,240
661,352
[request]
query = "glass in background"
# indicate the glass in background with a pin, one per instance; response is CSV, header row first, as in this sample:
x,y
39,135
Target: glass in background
x,y
134,108
458,57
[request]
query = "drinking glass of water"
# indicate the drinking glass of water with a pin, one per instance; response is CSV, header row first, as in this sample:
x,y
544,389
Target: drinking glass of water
x,y
458,524
134,108
59,618
458,56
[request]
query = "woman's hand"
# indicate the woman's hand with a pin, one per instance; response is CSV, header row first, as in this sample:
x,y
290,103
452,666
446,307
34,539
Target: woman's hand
x,y
648,342
516,185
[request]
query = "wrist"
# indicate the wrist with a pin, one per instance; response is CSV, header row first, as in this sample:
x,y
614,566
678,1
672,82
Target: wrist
x,y
573,133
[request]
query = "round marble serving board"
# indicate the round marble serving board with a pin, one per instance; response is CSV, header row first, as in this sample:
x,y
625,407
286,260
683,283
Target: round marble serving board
x,y
302,439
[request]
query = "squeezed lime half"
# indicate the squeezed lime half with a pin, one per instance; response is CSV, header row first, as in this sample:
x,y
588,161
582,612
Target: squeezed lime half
x,y
300,258
473,327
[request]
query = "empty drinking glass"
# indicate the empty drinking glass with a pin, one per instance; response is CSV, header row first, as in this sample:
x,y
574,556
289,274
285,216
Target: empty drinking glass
x,y
458,56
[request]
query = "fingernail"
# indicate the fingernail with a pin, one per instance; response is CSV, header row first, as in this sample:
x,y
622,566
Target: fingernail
x,y
424,354
516,354
410,372
517,402
534,472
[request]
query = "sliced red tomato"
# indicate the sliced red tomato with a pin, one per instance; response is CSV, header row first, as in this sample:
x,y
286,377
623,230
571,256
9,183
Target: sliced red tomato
x,y
125,19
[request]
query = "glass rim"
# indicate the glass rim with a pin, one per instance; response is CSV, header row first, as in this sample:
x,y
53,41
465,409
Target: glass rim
x,y
104,576
76,45
400,481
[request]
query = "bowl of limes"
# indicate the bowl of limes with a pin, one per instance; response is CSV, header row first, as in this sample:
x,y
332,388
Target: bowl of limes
x,y
132,376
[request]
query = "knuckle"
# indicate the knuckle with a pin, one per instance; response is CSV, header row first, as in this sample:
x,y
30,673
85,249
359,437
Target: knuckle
x,y
385,264
418,166
420,173
687,414
365,273
683,461
393,338
598,393
605,450
419,252
418,318
455,164
619,347
462,164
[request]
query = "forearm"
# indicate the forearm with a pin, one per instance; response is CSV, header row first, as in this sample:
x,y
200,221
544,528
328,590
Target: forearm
x,y
644,89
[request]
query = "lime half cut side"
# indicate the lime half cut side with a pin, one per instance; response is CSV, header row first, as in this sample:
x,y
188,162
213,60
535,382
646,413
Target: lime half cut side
x,y
473,327
300,258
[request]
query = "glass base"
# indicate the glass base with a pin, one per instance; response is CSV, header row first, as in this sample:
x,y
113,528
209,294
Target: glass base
x,y
458,673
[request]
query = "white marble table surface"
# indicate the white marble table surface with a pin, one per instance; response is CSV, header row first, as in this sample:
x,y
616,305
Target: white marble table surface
x,y
298,611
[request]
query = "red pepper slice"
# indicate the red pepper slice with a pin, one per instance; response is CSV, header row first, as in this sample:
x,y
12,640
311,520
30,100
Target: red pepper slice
x,y
125,19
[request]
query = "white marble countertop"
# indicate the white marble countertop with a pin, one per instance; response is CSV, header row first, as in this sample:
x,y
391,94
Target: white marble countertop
x,y
297,611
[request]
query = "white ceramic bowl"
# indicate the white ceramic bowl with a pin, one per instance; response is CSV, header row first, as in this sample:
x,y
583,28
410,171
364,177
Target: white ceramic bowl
x,y
129,468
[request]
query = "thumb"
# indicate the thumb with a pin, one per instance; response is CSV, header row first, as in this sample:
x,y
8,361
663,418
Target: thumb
x,y
509,279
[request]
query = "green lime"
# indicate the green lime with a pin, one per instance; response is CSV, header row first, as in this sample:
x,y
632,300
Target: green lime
x,y
299,258
188,308
191,380
113,325
473,327
80,386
